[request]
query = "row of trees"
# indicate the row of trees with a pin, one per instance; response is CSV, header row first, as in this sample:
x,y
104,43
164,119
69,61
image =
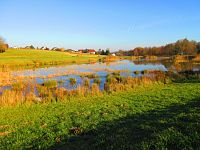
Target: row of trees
x,y
184,46
103,52
124,53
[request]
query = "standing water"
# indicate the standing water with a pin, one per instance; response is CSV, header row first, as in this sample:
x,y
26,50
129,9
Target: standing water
x,y
101,70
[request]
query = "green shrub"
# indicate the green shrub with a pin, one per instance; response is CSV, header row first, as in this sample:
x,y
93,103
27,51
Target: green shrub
x,y
61,82
144,72
92,76
97,81
116,73
72,81
119,78
136,72
50,84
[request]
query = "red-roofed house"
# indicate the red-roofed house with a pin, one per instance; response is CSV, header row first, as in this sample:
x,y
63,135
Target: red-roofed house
x,y
91,51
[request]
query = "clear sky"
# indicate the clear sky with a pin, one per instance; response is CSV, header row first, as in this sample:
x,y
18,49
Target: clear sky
x,y
115,24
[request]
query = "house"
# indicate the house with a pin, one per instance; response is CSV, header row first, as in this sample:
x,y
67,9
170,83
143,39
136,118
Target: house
x,y
91,51
15,47
113,54
80,51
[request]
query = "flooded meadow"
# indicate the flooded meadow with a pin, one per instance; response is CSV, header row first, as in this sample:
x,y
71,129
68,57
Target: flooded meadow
x,y
44,84
96,72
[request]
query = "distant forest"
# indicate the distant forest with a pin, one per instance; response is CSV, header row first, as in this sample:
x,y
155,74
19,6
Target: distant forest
x,y
181,47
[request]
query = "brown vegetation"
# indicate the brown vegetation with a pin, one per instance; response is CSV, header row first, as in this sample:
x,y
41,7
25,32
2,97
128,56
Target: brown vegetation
x,y
3,46
24,92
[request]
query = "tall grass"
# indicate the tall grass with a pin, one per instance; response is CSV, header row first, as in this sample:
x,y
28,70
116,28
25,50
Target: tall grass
x,y
30,92
86,82
11,98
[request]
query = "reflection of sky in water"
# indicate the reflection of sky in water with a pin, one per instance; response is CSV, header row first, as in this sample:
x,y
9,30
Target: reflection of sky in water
x,y
119,65
98,68
101,69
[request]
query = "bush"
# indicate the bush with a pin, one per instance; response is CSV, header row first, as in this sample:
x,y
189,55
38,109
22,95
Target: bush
x,y
72,81
50,84
110,79
144,71
97,81
92,76
136,72
116,73
119,78
3,46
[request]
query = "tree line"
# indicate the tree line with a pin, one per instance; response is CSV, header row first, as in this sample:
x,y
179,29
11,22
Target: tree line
x,y
181,47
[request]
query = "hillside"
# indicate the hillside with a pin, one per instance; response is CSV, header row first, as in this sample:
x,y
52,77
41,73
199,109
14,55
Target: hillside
x,y
29,58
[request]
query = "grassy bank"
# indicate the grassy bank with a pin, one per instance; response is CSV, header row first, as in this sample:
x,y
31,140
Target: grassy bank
x,y
158,116
36,58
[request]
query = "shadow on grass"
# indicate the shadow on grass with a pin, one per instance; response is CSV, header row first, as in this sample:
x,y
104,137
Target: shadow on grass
x,y
188,77
175,127
187,81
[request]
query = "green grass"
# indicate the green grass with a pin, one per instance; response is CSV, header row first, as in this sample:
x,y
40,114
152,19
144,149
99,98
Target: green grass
x,y
154,117
13,58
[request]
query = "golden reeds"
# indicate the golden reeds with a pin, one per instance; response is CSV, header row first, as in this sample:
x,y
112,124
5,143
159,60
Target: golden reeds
x,y
31,92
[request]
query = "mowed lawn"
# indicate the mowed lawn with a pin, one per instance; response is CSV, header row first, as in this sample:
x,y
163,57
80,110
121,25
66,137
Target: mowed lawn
x,y
154,117
14,57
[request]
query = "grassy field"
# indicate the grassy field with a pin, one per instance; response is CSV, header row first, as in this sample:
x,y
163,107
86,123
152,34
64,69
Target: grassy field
x,y
22,58
157,117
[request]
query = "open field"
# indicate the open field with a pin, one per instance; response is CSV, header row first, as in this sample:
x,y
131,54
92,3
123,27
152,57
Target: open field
x,y
29,58
99,75
158,116
147,109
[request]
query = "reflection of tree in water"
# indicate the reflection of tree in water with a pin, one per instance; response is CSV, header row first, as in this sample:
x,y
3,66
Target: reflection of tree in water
x,y
166,63
147,62
181,66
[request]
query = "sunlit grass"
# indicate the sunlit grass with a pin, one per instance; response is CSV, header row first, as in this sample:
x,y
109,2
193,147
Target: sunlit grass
x,y
158,116
35,58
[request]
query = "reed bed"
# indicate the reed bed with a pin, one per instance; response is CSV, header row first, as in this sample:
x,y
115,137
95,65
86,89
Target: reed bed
x,y
31,92
7,78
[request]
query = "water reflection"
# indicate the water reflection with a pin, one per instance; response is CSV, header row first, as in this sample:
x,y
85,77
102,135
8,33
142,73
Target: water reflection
x,y
99,68
126,68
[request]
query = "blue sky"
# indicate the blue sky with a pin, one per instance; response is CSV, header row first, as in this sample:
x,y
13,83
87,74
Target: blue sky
x,y
115,24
